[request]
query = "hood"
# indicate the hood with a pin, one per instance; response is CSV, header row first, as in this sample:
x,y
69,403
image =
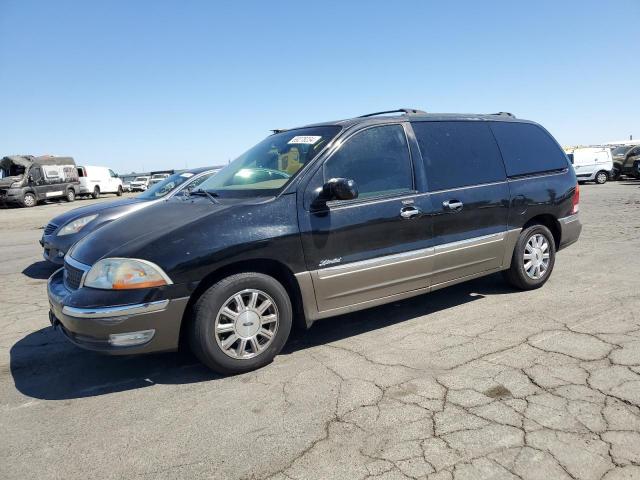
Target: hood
x,y
131,235
112,209
6,182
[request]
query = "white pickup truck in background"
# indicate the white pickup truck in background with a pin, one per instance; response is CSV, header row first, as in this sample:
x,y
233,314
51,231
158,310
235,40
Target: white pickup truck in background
x,y
139,184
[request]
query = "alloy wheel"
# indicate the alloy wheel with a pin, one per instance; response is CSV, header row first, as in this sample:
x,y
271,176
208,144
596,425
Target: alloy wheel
x,y
536,256
29,200
246,324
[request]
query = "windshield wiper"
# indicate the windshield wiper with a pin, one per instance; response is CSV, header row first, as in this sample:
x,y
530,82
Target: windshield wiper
x,y
204,193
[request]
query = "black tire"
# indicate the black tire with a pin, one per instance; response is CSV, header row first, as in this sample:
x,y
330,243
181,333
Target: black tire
x,y
29,200
516,274
615,175
202,336
96,193
601,177
119,192
71,195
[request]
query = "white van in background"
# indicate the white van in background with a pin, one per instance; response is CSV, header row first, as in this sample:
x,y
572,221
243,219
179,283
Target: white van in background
x,y
95,181
592,164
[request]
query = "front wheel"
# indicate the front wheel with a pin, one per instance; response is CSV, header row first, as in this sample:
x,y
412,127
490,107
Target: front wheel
x,y
71,195
241,323
96,193
29,200
533,258
601,177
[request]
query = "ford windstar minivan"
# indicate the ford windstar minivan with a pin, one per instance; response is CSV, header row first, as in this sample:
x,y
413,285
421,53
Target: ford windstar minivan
x,y
318,221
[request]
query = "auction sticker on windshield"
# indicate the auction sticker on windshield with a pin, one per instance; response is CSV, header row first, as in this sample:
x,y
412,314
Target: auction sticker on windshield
x,y
305,139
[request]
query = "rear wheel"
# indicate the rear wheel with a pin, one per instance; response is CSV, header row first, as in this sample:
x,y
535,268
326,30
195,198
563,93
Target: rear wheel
x,y
533,258
601,177
96,192
71,195
119,192
241,323
29,200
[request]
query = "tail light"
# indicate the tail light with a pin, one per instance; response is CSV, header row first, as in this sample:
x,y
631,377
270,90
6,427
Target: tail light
x,y
576,200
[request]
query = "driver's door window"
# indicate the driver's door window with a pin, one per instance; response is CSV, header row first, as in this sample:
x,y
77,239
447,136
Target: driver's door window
x,y
377,159
36,176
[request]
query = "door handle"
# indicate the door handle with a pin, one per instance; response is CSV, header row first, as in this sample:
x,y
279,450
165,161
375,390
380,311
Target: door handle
x,y
409,212
454,205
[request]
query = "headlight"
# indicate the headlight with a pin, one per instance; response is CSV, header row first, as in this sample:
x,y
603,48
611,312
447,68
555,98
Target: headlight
x,y
125,274
76,225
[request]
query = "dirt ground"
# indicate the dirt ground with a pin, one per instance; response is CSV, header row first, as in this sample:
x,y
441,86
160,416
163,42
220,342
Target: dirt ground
x,y
473,381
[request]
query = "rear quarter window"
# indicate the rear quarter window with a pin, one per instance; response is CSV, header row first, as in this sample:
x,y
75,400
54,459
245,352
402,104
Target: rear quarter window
x,y
527,149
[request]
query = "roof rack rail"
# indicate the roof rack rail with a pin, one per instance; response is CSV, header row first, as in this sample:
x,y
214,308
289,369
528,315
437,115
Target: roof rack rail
x,y
504,114
406,111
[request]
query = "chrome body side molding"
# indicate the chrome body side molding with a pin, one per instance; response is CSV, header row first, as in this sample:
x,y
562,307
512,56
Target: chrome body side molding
x,y
113,312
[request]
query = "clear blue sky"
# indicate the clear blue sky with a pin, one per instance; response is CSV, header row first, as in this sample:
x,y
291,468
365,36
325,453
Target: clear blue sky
x,y
159,84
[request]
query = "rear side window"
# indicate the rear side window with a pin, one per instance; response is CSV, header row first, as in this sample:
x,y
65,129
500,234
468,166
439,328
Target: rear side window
x,y
377,159
458,154
526,149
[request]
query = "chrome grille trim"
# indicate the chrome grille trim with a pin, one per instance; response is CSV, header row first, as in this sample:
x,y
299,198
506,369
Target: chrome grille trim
x,y
74,273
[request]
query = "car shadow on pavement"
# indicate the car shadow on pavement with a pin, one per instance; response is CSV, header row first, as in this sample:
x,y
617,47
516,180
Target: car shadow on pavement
x,y
40,270
46,366
336,328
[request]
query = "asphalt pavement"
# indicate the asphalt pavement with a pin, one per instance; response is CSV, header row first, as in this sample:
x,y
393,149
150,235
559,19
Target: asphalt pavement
x,y
474,381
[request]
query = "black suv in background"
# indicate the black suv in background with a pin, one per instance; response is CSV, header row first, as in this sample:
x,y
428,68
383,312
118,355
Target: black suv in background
x,y
318,221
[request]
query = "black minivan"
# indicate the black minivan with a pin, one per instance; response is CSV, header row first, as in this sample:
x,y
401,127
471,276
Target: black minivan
x,y
318,221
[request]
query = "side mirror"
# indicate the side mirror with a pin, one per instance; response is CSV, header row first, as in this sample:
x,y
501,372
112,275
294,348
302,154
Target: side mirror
x,y
337,189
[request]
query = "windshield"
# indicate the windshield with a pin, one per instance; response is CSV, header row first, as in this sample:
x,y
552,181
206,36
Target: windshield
x,y
267,167
141,179
171,183
621,150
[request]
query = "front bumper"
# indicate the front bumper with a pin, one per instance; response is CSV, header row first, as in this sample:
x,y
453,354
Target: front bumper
x,y
98,328
570,228
55,248
11,195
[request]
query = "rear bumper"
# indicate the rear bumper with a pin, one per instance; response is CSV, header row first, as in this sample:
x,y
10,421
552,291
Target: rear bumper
x,y
100,328
570,228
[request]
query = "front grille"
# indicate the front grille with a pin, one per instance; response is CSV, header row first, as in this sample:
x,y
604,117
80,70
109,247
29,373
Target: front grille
x,y
72,276
50,228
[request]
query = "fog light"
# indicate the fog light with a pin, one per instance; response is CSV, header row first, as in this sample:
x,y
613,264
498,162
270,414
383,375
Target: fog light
x,y
131,338
60,254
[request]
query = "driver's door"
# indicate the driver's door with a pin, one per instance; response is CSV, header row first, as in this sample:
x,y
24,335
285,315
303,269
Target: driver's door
x,y
377,245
